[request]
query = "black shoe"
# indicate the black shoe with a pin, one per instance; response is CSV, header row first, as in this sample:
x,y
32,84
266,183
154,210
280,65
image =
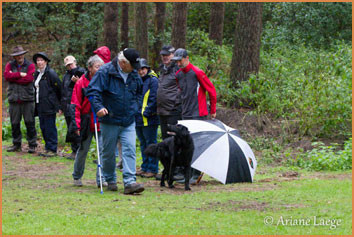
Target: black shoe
x,y
133,188
72,156
112,187
178,177
31,149
158,176
14,148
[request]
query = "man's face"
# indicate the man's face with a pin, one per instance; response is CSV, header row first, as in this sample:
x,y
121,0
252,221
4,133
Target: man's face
x,y
183,62
166,59
71,66
20,59
125,66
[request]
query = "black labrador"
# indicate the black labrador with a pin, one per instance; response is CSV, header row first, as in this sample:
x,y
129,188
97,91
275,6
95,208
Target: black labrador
x,y
173,151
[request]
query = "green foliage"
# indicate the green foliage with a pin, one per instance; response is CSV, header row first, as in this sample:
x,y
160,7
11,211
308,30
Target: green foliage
x,y
326,157
314,24
311,88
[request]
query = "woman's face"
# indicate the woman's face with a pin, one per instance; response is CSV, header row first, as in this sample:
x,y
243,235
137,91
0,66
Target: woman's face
x,y
41,63
143,71
94,68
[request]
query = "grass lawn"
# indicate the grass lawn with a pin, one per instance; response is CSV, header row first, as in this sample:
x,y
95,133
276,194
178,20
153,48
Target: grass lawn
x,y
38,198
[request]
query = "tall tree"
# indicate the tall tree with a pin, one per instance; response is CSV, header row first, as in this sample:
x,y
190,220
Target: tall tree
x,y
141,38
179,24
110,31
159,32
124,30
216,23
245,58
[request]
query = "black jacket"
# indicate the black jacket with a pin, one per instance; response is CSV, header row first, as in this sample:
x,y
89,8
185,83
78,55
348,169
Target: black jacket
x,y
49,92
67,88
168,96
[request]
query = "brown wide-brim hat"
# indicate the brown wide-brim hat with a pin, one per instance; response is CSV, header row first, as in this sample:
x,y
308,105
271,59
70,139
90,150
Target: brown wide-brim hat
x,y
18,50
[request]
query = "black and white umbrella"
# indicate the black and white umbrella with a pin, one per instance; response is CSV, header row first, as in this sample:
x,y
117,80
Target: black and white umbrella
x,y
220,151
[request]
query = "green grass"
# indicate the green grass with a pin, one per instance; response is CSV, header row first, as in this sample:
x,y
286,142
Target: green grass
x,y
38,198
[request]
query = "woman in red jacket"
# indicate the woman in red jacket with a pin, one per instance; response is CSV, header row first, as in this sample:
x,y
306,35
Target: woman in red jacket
x,y
83,123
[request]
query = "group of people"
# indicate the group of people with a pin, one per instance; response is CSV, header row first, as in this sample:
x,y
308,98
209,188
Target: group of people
x,y
126,95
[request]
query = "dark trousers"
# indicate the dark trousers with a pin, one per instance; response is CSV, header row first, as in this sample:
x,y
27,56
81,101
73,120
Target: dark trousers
x,y
25,110
167,119
74,146
49,131
148,135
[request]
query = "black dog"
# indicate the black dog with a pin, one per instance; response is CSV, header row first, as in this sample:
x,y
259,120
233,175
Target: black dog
x,y
174,151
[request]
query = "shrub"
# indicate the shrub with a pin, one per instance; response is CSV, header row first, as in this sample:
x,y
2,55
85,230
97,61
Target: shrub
x,y
326,157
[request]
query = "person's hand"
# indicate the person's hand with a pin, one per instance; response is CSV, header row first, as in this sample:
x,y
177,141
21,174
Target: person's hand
x,y
23,74
102,112
74,78
213,116
77,132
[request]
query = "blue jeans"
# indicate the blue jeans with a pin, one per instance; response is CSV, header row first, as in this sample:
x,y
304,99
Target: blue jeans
x,y
79,165
49,131
148,135
110,135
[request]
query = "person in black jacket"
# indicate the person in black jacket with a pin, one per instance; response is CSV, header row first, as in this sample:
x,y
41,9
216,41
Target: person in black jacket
x,y
71,76
147,120
47,97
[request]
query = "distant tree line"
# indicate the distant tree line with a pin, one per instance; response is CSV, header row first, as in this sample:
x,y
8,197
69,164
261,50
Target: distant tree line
x,y
78,28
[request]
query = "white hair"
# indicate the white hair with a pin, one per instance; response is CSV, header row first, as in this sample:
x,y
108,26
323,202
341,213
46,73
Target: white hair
x,y
94,59
121,57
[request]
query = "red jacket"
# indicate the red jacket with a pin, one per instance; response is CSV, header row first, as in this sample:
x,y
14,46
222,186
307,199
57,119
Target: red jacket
x,y
81,103
104,53
194,84
14,76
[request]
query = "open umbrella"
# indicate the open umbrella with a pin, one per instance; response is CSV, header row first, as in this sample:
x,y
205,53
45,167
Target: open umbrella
x,y
220,151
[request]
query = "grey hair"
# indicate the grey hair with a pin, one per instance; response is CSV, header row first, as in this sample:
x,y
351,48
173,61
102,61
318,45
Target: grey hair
x,y
121,57
94,59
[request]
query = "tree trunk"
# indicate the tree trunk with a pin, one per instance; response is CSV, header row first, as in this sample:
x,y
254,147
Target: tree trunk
x,y
110,30
124,30
159,33
216,25
245,58
141,38
179,24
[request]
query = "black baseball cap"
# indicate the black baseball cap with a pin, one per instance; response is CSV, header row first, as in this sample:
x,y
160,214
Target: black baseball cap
x,y
167,50
179,54
133,57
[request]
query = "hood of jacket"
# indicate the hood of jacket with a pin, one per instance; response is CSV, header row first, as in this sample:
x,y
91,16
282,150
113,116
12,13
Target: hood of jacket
x,y
104,53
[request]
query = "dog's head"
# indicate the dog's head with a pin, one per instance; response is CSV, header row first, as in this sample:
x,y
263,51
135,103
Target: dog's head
x,y
177,130
159,151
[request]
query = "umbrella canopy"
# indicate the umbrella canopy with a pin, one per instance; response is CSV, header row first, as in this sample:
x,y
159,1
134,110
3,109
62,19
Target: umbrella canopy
x,y
220,151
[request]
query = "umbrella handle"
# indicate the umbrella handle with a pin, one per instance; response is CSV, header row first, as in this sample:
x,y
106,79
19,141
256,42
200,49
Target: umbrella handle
x,y
200,177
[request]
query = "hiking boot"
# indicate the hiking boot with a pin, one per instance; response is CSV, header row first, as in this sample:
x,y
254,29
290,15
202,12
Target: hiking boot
x,y
158,176
14,148
71,156
140,172
31,149
48,154
77,183
148,175
104,184
133,188
112,187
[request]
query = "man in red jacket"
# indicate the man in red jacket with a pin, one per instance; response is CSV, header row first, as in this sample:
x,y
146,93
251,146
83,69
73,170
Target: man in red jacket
x,y
19,74
194,84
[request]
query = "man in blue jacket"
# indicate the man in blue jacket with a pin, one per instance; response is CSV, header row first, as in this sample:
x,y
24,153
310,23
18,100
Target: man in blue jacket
x,y
115,93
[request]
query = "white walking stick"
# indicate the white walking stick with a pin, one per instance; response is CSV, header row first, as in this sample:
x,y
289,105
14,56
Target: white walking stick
x,y
98,150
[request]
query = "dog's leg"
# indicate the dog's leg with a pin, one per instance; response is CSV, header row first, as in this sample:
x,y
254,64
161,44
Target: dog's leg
x,y
187,175
171,171
162,183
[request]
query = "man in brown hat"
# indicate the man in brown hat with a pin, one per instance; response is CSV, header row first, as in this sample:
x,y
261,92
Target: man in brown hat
x,y
20,92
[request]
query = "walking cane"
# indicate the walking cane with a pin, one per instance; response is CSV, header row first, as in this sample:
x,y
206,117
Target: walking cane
x,y
98,150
